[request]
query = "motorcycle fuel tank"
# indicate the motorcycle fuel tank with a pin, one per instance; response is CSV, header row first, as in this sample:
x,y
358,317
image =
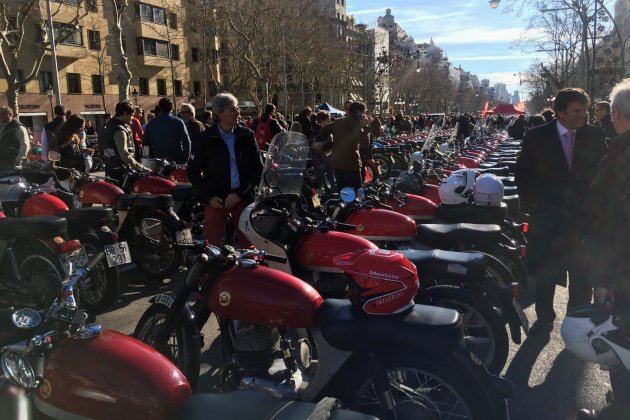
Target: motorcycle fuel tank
x,y
382,225
416,207
43,205
432,192
110,376
153,185
469,162
266,297
100,192
317,250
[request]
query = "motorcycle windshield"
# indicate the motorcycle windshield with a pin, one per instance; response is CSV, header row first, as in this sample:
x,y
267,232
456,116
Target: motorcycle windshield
x,y
287,156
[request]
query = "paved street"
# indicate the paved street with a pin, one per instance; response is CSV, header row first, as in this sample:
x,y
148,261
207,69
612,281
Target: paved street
x,y
549,383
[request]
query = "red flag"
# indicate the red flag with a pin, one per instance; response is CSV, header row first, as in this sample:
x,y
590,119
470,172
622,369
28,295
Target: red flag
x,y
485,110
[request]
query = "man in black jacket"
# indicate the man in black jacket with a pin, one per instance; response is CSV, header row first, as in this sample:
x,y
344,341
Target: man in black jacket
x,y
605,241
553,171
602,113
49,140
225,168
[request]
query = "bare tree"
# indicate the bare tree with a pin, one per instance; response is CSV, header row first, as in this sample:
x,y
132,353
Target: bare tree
x,y
23,27
120,60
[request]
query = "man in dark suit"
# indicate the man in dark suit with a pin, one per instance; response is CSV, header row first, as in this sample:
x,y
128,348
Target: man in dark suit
x,y
604,121
225,168
553,171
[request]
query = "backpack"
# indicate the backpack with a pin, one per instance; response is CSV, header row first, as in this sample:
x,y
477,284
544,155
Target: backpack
x,y
263,133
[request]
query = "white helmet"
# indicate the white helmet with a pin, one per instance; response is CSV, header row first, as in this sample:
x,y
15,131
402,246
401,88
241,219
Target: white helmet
x,y
488,191
443,148
415,157
589,332
457,187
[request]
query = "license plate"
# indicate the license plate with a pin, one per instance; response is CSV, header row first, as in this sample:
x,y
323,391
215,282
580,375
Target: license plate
x,y
117,254
184,237
521,315
78,258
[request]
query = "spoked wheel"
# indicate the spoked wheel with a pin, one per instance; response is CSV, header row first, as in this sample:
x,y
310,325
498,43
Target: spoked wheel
x,y
167,256
421,386
99,291
485,334
183,346
41,273
384,165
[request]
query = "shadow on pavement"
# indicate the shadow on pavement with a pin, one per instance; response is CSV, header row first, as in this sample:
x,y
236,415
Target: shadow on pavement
x,y
557,396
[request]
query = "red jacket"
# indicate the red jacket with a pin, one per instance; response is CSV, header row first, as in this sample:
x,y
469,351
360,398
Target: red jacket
x,y
136,129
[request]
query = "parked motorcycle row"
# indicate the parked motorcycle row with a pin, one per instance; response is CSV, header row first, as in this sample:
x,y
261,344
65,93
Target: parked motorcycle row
x,y
395,299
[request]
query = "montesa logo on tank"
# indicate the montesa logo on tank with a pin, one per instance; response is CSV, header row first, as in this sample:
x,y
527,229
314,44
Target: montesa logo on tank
x,y
384,275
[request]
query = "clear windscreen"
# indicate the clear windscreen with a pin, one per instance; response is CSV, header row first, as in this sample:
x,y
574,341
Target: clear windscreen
x,y
287,156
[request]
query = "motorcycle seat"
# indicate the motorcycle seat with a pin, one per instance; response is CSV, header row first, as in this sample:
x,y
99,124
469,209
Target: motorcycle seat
x,y
421,328
444,236
446,263
36,227
155,201
510,190
496,170
183,192
254,405
508,181
513,201
91,216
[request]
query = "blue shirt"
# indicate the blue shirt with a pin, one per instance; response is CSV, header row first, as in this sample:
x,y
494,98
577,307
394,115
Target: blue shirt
x,y
229,140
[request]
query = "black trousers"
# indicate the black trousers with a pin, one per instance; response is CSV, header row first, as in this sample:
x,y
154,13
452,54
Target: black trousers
x,y
547,275
350,179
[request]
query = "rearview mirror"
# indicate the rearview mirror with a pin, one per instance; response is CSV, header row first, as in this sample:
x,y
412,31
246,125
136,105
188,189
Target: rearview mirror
x,y
347,195
271,178
54,156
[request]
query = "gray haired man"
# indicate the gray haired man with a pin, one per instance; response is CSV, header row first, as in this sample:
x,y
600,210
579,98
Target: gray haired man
x,y
14,140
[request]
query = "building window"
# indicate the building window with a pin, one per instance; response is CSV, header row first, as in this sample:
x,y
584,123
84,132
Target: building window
x,y
212,88
144,86
177,87
147,46
214,56
74,82
94,40
161,87
196,88
45,80
195,55
172,20
152,14
175,52
68,35
97,84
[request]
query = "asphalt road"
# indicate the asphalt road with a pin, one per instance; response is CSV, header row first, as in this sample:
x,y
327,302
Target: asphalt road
x,y
549,382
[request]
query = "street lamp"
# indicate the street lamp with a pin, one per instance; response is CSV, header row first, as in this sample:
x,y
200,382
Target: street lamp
x,y
494,3
50,92
520,77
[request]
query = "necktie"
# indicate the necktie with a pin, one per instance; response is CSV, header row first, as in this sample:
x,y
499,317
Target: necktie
x,y
568,147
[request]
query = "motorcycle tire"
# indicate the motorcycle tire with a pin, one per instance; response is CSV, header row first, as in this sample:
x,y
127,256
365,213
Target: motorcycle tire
x,y
485,334
167,265
184,346
428,385
384,165
398,165
41,272
98,292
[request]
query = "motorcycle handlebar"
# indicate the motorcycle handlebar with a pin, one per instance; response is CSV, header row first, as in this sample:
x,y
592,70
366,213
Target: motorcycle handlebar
x,y
275,258
94,261
344,226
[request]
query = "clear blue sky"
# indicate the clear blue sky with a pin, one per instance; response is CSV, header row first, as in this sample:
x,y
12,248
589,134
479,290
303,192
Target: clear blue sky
x,y
469,31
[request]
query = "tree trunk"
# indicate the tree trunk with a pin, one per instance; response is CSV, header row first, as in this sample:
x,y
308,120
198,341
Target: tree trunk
x,y
124,74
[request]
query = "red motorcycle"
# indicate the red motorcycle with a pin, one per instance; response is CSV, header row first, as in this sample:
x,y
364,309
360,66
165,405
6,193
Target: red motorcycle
x,y
281,337
89,225
157,237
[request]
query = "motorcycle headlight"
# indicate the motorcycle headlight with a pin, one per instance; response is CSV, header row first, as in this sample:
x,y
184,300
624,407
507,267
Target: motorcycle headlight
x,y
18,369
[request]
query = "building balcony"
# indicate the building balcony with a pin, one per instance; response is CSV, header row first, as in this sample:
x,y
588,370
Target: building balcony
x,y
71,52
153,61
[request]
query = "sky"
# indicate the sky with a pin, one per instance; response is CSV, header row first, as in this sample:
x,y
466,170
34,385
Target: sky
x,y
469,31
